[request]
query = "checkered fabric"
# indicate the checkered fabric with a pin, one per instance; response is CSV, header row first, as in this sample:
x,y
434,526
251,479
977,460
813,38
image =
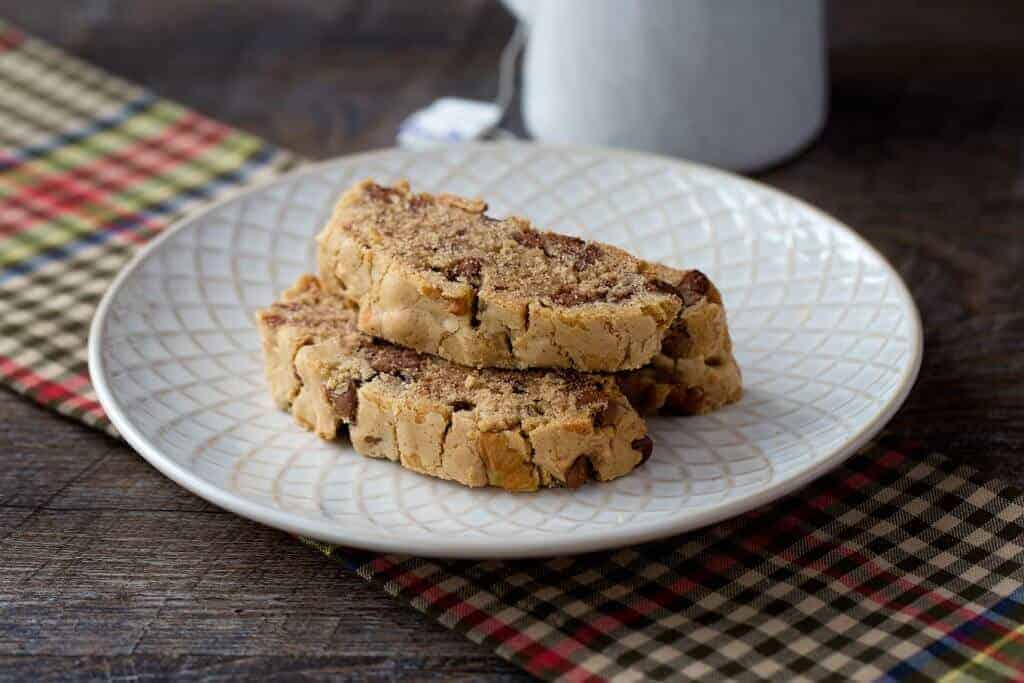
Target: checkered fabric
x,y
898,566
90,168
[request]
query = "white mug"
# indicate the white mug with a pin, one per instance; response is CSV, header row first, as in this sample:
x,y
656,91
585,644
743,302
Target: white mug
x,y
740,84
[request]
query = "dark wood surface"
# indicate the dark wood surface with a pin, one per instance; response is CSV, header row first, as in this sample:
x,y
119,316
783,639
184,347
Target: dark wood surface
x,y
109,570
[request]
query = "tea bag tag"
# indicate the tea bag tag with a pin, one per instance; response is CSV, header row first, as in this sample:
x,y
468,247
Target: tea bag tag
x,y
448,120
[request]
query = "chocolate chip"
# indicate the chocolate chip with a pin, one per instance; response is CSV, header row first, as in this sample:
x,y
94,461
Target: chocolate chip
x,y
529,238
379,193
419,201
587,257
570,296
459,406
609,415
661,286
694,286
466,270
645,445
677,341
579,473
394,361
683,401
566,244
604,410
345,401
643,395
572,250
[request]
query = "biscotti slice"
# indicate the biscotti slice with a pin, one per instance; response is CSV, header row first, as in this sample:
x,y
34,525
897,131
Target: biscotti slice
x,y
515,430
437,275
695,371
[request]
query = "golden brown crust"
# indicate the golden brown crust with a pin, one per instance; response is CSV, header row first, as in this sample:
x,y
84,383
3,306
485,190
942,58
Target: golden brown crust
x,y
439,276
519,430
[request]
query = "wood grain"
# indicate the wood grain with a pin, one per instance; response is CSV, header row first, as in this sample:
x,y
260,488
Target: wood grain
x,y
107,569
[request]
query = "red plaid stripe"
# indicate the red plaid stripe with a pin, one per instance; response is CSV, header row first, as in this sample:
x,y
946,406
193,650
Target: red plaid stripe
x,y
46,391
10,38
47,196
796,550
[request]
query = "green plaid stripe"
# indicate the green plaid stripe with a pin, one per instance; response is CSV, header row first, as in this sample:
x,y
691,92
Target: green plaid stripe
x,y
91,168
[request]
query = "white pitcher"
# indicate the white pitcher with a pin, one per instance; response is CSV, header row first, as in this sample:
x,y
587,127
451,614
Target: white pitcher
x,y
740,84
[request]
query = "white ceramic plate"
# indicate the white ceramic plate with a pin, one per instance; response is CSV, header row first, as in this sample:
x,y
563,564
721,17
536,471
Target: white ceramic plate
x,y
826,333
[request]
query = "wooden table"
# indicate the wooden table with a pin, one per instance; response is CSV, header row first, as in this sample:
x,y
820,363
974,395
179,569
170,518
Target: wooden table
x,y
107,568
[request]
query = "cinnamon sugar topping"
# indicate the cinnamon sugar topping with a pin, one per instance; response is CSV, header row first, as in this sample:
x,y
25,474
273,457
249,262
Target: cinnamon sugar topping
x,y
453,235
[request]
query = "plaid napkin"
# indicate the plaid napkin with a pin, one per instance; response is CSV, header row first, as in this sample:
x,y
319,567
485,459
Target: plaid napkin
x,y
900,565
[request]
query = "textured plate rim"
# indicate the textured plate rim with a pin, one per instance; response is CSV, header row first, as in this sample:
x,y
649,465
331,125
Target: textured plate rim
x,y
510,548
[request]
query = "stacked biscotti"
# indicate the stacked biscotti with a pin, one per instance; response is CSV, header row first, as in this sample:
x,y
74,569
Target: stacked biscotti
x,y
487,352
